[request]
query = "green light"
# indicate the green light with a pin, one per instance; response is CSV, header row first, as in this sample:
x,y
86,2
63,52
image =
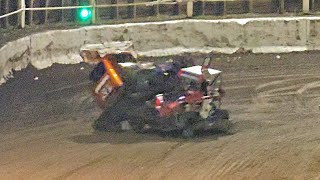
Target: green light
x,y
85,14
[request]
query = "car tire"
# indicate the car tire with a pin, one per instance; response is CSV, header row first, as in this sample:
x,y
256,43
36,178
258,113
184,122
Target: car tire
x,y
222,116
187,132
136,125
189,119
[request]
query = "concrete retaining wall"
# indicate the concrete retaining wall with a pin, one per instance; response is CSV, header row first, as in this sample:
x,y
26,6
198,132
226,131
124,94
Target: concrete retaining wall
x,y
263,35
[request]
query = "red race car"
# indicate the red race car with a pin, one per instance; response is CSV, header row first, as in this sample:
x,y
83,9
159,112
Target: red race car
x,y
171,95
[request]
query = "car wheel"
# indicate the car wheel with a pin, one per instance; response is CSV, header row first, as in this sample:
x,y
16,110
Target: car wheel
x,y
225,125
136,124
188,119
222,119
107,122
188,132
110,119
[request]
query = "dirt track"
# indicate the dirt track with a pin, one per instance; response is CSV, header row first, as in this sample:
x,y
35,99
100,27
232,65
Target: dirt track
x,y
46,132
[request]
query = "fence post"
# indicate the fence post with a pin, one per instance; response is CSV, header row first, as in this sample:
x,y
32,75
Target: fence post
x,y
117,2
190,8
31,13
134,11
312,5
305,6
6,4
62,11
93,3
23,14
46,14
250,6
158,8
224,8
282,10
203,7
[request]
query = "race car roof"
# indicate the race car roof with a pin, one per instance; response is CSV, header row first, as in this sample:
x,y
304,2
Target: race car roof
x,y
194,72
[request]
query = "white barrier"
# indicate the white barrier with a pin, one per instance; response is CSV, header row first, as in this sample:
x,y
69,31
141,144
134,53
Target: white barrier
x,y
259,35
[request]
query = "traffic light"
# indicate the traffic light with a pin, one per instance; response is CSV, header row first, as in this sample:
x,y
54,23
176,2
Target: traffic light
x,y
84,15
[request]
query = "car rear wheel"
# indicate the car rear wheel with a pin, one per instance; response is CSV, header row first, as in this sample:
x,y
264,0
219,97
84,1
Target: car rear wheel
x,y
222,121
188,119
187,132
137,126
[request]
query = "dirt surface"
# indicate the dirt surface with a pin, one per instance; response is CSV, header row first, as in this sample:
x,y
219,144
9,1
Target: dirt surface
x,y
46,133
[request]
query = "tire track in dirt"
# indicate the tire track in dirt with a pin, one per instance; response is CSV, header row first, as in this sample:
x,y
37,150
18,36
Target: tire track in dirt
x,y
262,152
291,90
298,85
231,162
277,136
246,156
171,162
84,166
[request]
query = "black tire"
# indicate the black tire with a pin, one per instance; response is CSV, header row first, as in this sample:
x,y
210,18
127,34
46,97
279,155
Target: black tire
x,y
224,114
137,125
225,121
188,132
222,117
107,122
110,118
139,116
189,119
225,125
